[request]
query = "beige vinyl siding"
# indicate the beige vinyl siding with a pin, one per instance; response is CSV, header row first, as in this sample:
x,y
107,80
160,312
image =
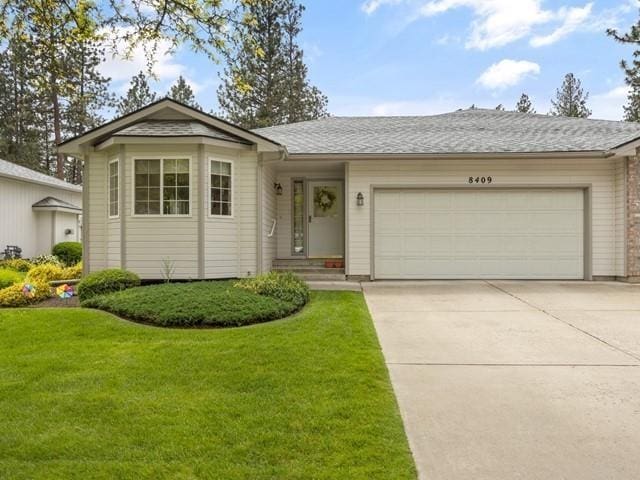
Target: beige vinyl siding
x,y
227,239
269,214
29,230
95,177
151,239
600,173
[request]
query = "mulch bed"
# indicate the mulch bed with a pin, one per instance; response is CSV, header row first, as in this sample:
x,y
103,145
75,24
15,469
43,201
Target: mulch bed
x,y
57,302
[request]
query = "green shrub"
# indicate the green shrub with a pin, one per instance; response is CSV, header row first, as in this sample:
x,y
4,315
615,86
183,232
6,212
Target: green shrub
x,y
69,253
42,259
17,264
14,297
45,273
9,277
213,304
281,285
72,273
106,281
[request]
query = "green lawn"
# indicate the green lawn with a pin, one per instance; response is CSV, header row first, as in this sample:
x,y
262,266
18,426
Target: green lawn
x,y
86,395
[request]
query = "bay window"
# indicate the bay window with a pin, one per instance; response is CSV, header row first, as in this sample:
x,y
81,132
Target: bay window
x,y
162,186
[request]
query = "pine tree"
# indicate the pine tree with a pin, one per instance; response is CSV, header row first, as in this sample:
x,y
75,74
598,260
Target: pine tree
x,y
182,92
524,104
632,72
571,100
265,80
139,95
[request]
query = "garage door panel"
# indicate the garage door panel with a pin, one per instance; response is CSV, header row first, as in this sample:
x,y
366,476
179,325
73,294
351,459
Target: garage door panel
x,y
479,234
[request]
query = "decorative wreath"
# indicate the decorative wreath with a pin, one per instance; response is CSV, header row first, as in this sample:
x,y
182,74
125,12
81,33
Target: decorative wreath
x,y
324,198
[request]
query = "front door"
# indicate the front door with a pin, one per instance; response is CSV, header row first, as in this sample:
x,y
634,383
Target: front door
x,y
325,213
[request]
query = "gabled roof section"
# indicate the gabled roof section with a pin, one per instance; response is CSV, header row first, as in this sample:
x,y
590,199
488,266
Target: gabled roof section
x,y
466,132
52,203
168,118
18,172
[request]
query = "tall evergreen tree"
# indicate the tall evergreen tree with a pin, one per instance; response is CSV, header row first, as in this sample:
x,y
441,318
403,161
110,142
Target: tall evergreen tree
x,y
182,92
139,95
571,99
524,104
265,81
631,70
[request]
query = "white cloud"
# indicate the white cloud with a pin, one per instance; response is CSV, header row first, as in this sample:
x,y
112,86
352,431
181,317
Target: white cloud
x,y
119,68
497,22
573,19
507,73
608,105
370,6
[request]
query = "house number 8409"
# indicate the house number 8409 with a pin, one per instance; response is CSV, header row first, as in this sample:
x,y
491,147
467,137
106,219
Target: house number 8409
x,y
480,179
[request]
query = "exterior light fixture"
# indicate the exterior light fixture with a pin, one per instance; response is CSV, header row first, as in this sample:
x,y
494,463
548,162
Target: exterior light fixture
x,y
360,199
278,188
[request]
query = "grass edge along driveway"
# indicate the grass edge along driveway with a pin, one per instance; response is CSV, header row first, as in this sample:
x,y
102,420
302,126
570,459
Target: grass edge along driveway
x,y
84,394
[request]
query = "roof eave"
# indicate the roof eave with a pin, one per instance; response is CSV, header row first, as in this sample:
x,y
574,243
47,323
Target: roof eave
x,y
70,187
461,155
75,146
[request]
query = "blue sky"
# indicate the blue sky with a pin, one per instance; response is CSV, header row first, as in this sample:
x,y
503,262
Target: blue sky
x,y
412,57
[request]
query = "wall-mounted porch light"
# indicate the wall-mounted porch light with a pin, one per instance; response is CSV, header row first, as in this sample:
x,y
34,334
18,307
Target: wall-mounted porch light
x,y
360,199
278,188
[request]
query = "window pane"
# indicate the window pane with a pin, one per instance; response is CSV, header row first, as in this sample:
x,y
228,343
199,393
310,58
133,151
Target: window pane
x,y
154,180
183,193
154,208
169,193
154,194
142,194
141,180
183,208
226,209
183,180
298,216
169,165
225,195
142,166
215,167
169,179
169,208
215,194
215,181
225,182
182,165
154,166
215,208
141,208
225,168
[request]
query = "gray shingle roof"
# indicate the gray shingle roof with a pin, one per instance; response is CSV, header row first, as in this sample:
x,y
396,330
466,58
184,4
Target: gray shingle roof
x,y
12,170
464,131
52,202
176,128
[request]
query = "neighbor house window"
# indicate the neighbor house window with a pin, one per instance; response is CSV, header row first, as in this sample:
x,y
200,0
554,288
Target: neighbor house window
x,y
162,186
220,188
113,188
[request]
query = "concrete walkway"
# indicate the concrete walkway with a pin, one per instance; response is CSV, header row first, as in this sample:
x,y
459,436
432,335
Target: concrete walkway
x,y
515,380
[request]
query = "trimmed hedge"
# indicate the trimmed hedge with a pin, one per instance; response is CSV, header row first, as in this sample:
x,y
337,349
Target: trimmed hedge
x,y
69,253
9,277
106,281
281,285
196,304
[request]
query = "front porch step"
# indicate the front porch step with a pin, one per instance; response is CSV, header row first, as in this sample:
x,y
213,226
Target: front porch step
x,y
324,277
307,268
298,262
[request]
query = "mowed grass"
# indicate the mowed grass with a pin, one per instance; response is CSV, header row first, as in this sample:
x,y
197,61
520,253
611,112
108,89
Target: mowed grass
x,y
86,395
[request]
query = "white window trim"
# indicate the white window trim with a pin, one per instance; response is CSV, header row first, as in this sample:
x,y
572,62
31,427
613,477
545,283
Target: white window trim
x,y
233,188
116,161
133,186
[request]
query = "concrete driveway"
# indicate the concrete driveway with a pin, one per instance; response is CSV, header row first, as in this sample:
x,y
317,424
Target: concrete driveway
x,y
515,380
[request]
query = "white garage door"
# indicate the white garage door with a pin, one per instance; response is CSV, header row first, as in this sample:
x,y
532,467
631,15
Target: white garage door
x,y
439,234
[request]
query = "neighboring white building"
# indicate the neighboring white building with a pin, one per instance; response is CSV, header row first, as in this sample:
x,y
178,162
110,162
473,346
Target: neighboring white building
x,y
468,194
36,210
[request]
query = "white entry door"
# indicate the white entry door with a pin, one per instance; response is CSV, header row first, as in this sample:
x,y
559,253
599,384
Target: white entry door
x,y
325,214
509,234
